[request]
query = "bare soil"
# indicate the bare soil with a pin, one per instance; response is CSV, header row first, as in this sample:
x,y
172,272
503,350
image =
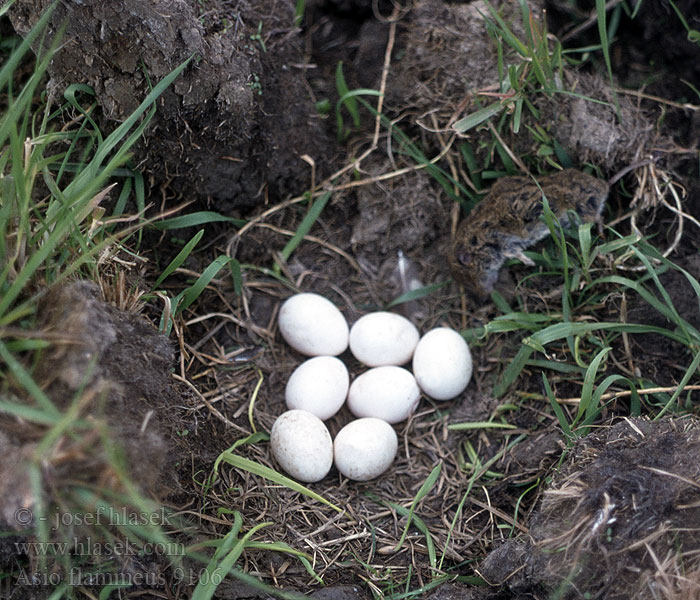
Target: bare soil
x,y
614,516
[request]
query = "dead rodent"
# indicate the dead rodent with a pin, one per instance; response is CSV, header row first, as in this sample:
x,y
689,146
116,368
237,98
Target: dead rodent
x,y
508,220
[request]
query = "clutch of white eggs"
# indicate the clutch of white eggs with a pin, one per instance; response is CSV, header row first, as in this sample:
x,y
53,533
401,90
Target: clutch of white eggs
x,y
385,394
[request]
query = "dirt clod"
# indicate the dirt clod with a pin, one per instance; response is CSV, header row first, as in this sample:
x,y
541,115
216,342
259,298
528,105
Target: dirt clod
x,y
236,121
619,520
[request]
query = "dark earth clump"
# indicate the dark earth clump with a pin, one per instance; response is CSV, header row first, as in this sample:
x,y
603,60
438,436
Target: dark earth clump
x,y
111,368
121,355
230,130
620,519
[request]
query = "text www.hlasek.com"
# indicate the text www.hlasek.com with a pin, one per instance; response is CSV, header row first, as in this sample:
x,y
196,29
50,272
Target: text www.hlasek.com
x,y
88,547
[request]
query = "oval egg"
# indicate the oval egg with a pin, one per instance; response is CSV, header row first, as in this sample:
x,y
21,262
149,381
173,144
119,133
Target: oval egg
x,y
365,448
319,386
313,325
389,393
383,338
302,445
442,364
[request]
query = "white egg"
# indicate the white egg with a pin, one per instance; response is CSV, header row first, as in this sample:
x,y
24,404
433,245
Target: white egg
x,y
388,393
383,338
313,325
365,448
442,363
302,445
318,385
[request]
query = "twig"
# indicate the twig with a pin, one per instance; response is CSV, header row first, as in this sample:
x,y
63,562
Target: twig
x,y
317,240
625,393
659,99
206,402
514,158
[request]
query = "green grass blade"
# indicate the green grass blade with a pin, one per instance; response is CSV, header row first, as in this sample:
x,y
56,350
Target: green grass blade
x,y
196,289
299,9
179,259
28,413
37,258
211,578
586,245
559,413
71,97
220,571
117,136
692,370
348,99
124,194
197,218
689,333
253,438
28,383
513,370
600,6
305,226
22,104
240,462
7,6
517,115
76,198
534,486
635,405
563,330
95,173
265,589
343,90
416,294
477,117
344,99
236,276
587,406
421,526
27,345
603,33
479,425
422,492
507,34
12,62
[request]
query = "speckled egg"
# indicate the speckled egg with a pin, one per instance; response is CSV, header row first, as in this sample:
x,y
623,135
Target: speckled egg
x,y
302,445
